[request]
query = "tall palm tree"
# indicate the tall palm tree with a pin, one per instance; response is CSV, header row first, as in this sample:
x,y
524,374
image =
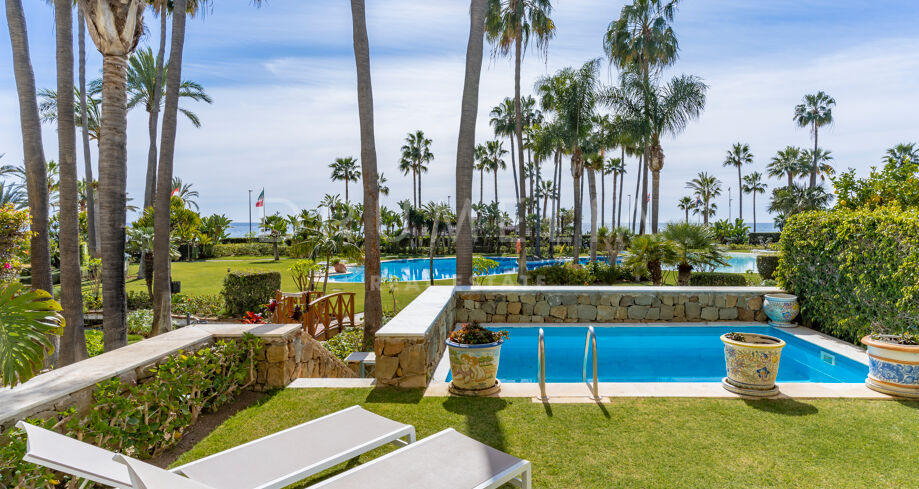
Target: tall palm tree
x,y
481,164
345,170
73,342
373,305
417,150
753,184
91,223
738,156
821,158
465,145
509,24
406,167
440,216
687,204
115,27
32,149
381,184
494,160
185,193
616,167
658,110
788,163
790,200
706,187
902,153
504,121
815,111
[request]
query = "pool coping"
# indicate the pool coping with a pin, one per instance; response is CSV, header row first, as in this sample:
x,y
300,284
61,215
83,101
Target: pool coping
x,y
575,392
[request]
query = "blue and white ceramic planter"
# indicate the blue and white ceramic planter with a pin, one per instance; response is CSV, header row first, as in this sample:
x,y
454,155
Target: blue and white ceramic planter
x,y
892,368
781,309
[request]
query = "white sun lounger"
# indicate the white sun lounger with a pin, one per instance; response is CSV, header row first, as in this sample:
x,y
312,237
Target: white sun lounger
x,y
271,462
446,460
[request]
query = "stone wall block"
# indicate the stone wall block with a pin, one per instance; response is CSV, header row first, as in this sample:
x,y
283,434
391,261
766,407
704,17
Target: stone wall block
x,y
626,301
514,307
501,308
488,307
587,312
755,303
693,311
527,310
554,300
666,312
727,313
569,299
541,308
638,312
528,298
605,313
386,367
559,312
583,299
573,311
477,315
710,313
730,301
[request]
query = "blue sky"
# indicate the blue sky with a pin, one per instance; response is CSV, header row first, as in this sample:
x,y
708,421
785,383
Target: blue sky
x,y
283,82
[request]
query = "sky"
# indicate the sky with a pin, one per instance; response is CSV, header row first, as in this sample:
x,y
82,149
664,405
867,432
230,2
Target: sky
x,y
283,81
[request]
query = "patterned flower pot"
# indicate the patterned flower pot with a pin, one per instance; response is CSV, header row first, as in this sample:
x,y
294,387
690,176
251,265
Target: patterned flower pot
x,y
474,367
752,364
340,267
781,309
892,368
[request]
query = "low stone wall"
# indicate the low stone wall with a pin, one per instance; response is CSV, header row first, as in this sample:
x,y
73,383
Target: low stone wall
x,y
291,354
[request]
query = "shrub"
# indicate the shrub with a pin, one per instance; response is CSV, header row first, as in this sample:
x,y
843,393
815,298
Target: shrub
x,y
140,322
716,279
766,265
482,267
854,270
205,305
731,232
139,300
247,249
14,241
249,290
474,334
345,343
94,342
566,274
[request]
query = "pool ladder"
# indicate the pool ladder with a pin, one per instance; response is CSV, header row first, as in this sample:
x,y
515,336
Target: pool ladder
x,y
541,352
590,346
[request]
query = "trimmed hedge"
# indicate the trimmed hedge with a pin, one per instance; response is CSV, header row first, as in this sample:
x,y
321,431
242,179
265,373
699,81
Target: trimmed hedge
x,y
563,274
247,249
717,279
853,270
766,265
245,291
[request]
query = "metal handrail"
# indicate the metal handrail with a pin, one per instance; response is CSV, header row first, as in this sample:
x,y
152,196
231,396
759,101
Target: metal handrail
x,y
591,341
542,365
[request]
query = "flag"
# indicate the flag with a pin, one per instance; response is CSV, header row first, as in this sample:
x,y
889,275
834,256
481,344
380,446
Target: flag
x,y
261,199
698,201
174,192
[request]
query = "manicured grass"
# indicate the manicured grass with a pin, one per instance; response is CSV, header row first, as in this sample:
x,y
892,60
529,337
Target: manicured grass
x,y
636,443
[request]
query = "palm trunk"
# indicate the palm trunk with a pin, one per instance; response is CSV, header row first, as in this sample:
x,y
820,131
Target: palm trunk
x,y
481,184
346,191
814,168
514,169
419,187
154,110
644,192
414,187
112,193
576,180
687,215
556,174
592,190
655,198
162,291
93,239
739,195
521,199
73,343
325,279
496,185
373,305
432,248
706,212
754,211
277,255
621,191
32,149
612,216
641,164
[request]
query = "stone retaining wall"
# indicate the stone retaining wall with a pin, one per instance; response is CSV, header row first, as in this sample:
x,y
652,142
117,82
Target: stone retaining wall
x,y
293,355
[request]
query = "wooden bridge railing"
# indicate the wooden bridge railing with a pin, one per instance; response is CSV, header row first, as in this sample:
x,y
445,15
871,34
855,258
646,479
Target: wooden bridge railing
x,y
322,316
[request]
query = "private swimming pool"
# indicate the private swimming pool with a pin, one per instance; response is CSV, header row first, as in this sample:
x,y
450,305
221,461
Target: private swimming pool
x,y
445,268
660,354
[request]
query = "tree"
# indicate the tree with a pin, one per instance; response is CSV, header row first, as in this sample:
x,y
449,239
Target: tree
x,y
687,204
276,226
91,222
902,153
738,156
694,246
417,153
509,24
616,168
481,164
753,184
504,122
381,184
706,187
647,253
333,239
73,341
465,145
440,216
788,163
545,190
790,200
494,160
32,149
345,170
614,241
140,241
815,111
184,192
821,158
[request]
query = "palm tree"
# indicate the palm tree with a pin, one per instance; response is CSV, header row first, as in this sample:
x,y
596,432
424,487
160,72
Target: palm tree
x,y
332,238
481,164
647,253
33,151
816,111
659,110
738,156
694,246
616,168
706,187
788,163
184,192
902,154
145,88
790,200
822,159
91,223
614,241
440,216
642,36
753,184
417,151
465,146
494,160
276,226
504,122
381,184
545,190
345,170
510,23
687,204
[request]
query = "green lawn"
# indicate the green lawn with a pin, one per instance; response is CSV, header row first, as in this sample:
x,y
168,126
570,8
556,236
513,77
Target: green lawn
x,y
637,443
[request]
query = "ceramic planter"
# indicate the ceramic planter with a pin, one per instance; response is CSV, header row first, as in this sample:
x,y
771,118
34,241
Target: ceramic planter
x,y
752,364
474,367
340,267
892,368
781,309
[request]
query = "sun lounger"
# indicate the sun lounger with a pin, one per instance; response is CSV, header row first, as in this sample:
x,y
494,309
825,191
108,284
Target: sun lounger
x,y
274,461
446,460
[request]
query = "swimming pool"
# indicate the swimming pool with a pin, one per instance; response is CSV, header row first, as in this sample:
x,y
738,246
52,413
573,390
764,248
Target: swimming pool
x,y
660,354
445,268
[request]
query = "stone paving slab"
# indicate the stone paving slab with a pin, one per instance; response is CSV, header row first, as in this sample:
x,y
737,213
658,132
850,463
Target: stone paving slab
x,y
418,317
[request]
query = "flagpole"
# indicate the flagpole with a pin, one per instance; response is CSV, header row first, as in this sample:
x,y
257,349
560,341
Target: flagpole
x,y
250,214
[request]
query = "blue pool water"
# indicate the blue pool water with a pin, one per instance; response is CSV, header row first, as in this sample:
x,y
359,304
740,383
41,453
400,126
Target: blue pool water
x,y
660,354
419,268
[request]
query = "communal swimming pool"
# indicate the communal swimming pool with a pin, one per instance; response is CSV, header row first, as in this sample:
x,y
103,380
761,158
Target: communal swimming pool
x,y
445,268
660,354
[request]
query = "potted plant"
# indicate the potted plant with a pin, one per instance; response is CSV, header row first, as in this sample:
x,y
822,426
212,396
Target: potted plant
x,y
752,363
893,362
339,266
781,309
474,353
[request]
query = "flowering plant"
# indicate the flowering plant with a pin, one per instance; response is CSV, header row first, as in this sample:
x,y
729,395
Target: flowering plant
x,y
474,334
252,318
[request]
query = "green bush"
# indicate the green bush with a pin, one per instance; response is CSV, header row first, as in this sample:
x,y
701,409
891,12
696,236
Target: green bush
x,y
139,300
247,249
345,343
563,274
146,419
205,305
249,290
766,265
94,342
140,322
717,279
853,270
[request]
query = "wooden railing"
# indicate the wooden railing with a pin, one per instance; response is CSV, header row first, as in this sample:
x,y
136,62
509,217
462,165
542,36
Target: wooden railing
x,y
322,316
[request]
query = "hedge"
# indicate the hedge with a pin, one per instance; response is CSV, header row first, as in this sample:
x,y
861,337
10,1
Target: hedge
x,y
766,265
245,291
565,274
141,420
853,270
247,249
716,279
